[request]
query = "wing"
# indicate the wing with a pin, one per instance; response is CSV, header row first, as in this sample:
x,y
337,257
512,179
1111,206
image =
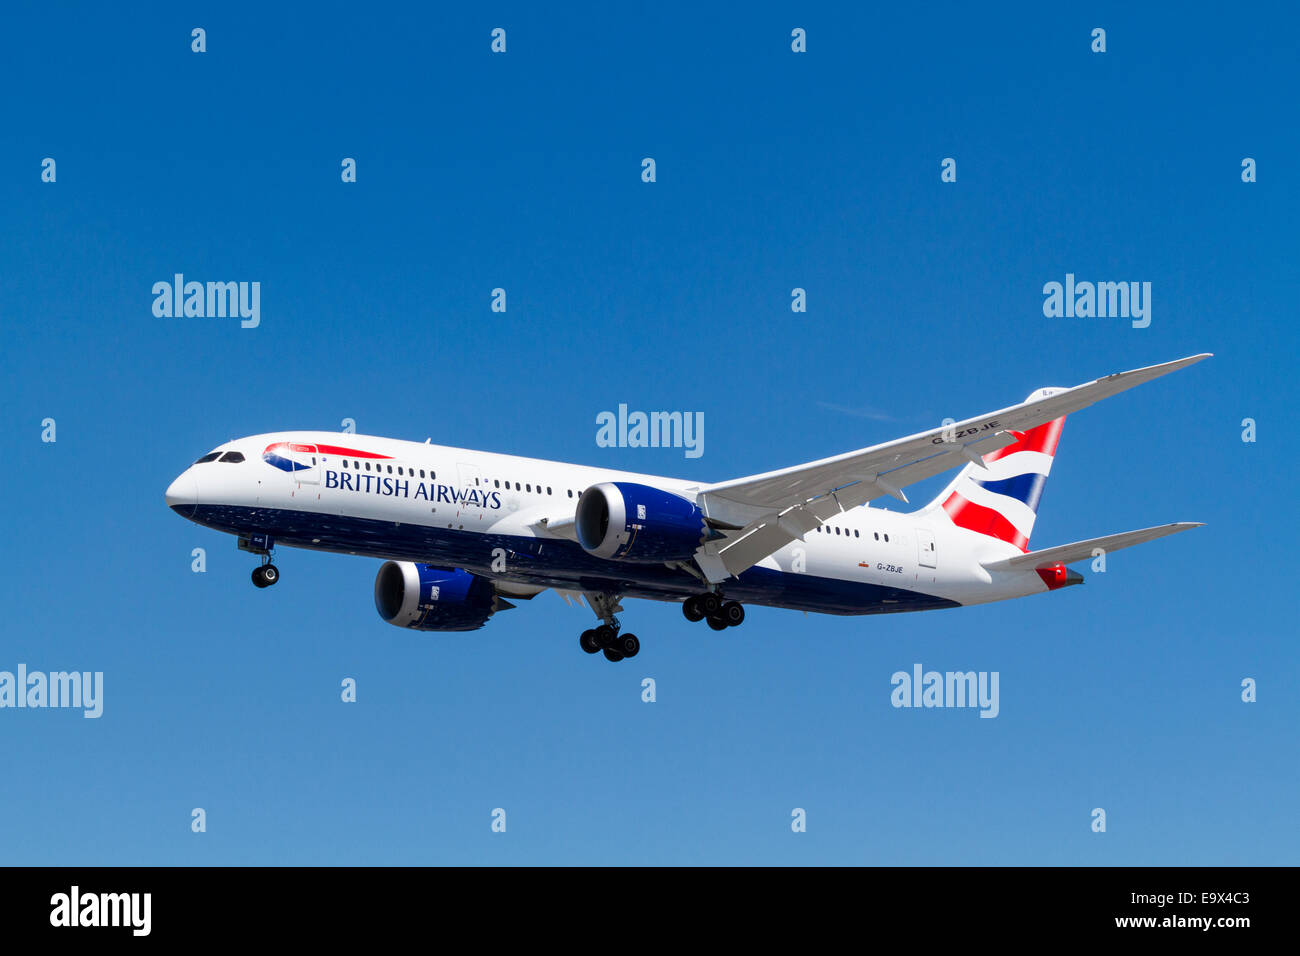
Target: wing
x,y
763,513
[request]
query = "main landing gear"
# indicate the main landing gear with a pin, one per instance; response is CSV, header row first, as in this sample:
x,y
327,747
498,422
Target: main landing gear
x,y
710,607
606,637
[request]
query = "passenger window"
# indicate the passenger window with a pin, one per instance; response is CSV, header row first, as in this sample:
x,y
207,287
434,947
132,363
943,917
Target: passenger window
x,y
877,534
570,492
390,469
886,539
367,466
548,489
421,472
528,487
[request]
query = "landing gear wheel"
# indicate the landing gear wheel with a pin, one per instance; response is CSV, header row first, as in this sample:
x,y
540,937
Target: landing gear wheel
x,y
588,642
733,612
717,622
708,603
629,645
258,579
270,574
612,655
606,635
691,608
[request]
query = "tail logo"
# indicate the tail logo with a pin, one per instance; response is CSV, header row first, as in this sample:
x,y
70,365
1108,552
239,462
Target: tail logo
x,y
1003,502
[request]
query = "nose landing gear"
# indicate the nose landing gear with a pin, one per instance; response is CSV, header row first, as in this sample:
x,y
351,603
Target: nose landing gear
x,y
267,573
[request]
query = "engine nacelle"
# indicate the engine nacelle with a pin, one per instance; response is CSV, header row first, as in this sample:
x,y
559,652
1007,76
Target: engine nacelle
x,y
426,598
628,522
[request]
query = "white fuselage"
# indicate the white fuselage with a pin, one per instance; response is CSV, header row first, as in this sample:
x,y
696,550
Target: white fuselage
x,y
504,517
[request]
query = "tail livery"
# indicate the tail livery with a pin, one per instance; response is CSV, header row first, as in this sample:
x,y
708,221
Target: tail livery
x,y
1000,498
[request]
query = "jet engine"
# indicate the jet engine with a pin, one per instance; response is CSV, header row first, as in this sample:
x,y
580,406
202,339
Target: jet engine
x,y
425,598
629,522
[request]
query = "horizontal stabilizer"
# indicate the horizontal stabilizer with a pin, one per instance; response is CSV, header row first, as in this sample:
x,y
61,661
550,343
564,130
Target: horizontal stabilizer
x,y
1082,550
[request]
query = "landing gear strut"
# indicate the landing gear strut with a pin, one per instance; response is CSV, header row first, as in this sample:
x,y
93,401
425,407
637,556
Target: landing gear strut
x,y
267,573
606,638
709,607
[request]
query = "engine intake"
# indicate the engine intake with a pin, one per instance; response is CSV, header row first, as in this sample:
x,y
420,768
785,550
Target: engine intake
x,y
425,598
636,523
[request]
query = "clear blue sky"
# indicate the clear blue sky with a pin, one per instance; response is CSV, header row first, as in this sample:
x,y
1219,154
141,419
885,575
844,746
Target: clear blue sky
x,y
775,170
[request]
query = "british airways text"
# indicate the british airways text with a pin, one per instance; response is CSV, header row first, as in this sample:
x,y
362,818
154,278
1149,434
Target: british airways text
x,y
401,488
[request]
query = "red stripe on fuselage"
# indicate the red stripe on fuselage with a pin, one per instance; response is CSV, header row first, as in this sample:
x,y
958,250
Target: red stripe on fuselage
x,y
981,520
325,450
348,452
1044,438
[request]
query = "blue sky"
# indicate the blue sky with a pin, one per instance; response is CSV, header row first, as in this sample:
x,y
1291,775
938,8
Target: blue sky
x,y
775,170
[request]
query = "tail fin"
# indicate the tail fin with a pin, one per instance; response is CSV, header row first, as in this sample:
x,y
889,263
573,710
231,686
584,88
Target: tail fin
x,y
1000,500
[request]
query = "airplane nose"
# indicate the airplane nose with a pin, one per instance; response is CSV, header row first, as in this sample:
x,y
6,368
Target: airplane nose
x,y
183,494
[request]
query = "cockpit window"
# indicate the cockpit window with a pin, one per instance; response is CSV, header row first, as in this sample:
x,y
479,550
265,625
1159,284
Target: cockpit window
x,y
210,456
233,456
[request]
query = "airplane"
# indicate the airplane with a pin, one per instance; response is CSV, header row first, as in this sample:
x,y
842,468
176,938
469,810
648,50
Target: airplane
x,y
465,533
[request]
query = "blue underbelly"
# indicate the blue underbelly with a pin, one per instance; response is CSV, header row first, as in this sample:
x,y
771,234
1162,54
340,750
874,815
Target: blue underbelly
x,y
555,563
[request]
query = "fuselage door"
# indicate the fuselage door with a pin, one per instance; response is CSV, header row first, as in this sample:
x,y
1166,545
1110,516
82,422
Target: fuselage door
x,y
926,555
306,464
470,480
